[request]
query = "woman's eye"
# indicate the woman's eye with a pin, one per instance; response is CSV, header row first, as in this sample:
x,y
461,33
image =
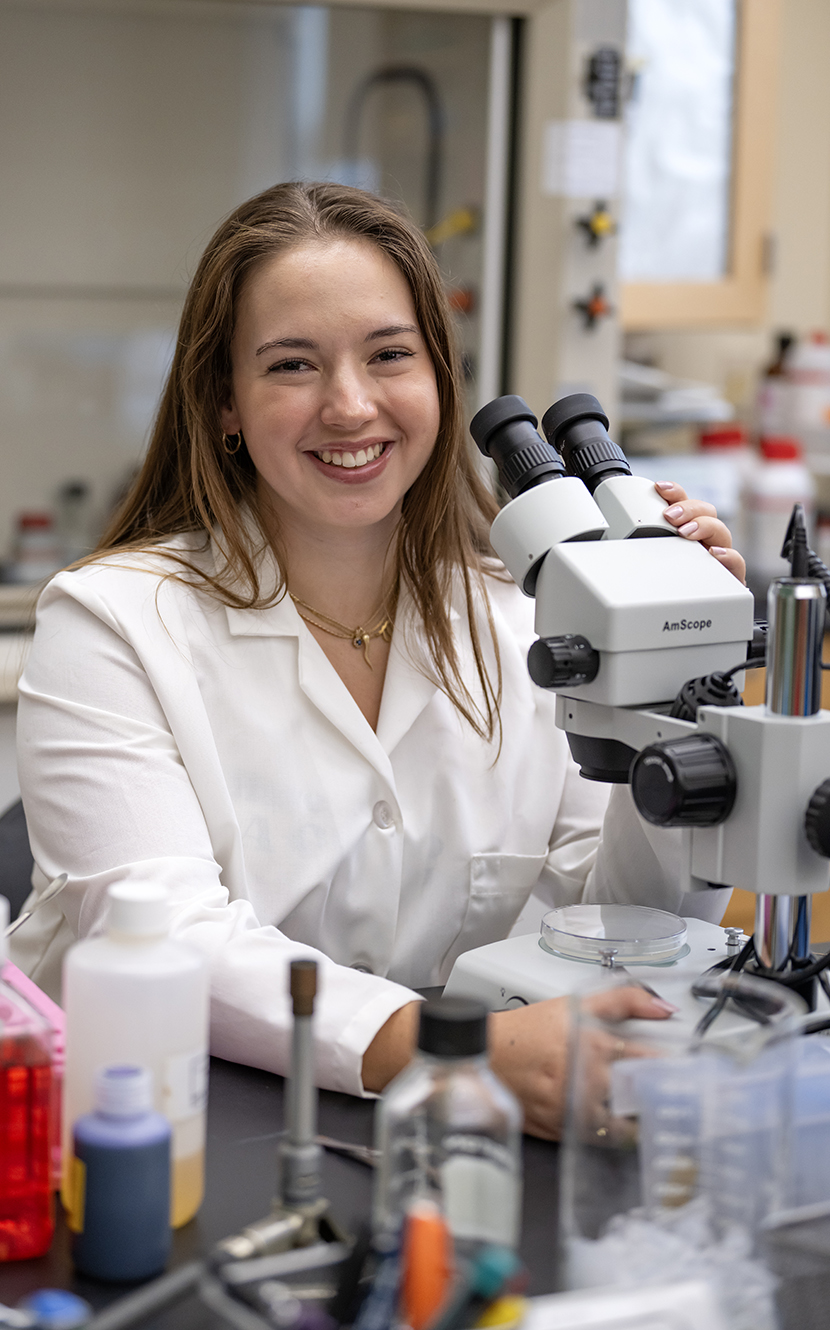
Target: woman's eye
x,y
289,367
391,354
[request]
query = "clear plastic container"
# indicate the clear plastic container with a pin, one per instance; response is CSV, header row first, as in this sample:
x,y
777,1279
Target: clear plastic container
x,y
27,1218
449,1133
676,1144
53,1016
138,996
633,933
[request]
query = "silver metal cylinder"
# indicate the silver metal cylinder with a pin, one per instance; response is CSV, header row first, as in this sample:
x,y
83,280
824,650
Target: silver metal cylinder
x,y
796,612
302,1092
801,928
775,921
300,1180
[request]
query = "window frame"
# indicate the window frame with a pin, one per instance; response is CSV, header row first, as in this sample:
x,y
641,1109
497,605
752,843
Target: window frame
x,y
739,296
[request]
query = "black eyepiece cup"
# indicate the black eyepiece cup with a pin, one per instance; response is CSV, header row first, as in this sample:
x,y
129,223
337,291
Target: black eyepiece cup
x,y
505,430
577,427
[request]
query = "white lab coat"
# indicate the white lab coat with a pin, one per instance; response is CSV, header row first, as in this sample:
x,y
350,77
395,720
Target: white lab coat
x,y
164,736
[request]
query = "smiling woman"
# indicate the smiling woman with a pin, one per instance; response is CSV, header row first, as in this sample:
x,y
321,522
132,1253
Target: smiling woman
x,y
292,682
339,416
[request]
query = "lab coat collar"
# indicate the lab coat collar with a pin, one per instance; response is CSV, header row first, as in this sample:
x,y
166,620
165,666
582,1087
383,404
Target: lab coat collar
x,y
407,689
408,686
406,692
279,619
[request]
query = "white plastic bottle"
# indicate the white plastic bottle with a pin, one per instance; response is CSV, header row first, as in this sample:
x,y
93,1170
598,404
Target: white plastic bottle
x,y
807,375
136,995
780,481
729,462
36,552
449,1133
773,402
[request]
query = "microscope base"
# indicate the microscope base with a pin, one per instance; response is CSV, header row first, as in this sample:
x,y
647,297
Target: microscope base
x,y
518,971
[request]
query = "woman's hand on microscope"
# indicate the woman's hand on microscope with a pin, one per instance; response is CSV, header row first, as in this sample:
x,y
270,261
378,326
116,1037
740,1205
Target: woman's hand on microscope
x,y
696,520
529,1051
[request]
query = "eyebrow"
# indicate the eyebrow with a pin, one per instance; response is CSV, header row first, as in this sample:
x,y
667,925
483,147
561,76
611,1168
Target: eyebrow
x,y
289,343
306,344
392,331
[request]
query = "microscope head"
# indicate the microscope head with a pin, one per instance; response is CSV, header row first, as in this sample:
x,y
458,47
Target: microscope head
x,y
541,514
591,543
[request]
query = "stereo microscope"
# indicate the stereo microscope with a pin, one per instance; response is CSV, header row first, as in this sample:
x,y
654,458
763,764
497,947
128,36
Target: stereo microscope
x,y
644,637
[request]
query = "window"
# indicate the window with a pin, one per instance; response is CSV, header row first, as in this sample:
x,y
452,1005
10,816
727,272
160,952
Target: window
x,y
698,161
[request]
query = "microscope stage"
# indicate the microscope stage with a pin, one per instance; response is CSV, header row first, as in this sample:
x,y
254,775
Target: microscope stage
x,y
518,971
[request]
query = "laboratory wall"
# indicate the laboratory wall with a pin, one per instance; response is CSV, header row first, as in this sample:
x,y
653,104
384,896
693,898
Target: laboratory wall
x,y
130,131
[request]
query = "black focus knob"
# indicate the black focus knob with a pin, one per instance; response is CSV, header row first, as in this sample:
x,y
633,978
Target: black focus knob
x,y
687,782
558,662
711,690
817,820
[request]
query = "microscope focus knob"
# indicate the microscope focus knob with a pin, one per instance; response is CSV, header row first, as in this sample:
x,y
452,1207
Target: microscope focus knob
x,y
817,820
560,662
687,782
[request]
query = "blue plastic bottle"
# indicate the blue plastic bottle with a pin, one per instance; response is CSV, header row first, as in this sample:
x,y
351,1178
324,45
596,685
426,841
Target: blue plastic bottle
x,y
120,1183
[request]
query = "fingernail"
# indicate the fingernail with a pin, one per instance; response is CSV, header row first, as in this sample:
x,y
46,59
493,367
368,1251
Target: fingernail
x,y
676,511
662,1005
664,484
718,551
688,529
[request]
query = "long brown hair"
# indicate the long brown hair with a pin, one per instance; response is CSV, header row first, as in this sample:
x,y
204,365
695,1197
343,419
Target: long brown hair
x,y
189,483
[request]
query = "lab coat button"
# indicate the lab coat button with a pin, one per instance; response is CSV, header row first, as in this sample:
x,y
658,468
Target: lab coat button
x,y
383,815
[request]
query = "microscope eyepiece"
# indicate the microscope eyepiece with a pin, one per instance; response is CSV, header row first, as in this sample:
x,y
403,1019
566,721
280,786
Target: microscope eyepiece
x,y
505,430
577,427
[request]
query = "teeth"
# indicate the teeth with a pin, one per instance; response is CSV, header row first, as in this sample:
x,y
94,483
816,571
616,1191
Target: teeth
x,y
350,460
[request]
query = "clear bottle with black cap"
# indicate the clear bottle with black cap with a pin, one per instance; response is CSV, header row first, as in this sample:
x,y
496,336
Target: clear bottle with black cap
x,y
449,1132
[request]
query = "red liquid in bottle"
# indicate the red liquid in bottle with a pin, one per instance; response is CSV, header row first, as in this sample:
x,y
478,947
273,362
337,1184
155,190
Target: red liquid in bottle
x,y
27,1216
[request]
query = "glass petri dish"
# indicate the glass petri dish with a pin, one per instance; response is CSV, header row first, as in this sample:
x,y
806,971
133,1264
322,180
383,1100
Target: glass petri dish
x,y
639,933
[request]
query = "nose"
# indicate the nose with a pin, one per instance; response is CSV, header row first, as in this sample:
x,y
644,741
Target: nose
x,y
349,400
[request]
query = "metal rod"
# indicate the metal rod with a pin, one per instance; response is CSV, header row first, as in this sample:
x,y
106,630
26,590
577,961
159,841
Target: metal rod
x,y
135,1307
801,930
796,609
491,322
300,1154
302,1094
775,918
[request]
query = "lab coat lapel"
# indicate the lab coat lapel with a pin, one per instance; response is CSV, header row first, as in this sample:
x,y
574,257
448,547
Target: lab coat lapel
x,y
318,678
406,689
323,687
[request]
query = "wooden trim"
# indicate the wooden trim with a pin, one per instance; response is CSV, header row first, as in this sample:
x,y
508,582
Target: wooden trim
x,y
741,296
507,8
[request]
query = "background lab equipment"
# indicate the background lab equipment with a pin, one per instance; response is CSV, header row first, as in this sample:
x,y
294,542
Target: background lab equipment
x,y
643,636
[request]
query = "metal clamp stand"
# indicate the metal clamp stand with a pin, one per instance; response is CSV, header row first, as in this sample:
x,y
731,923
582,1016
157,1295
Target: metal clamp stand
x,y
300,1215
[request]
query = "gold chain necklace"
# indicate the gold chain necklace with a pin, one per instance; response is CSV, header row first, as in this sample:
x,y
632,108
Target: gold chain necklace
x,y
359,636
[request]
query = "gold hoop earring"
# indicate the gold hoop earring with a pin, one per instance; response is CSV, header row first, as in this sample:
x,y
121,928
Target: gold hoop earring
x,y
235,449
